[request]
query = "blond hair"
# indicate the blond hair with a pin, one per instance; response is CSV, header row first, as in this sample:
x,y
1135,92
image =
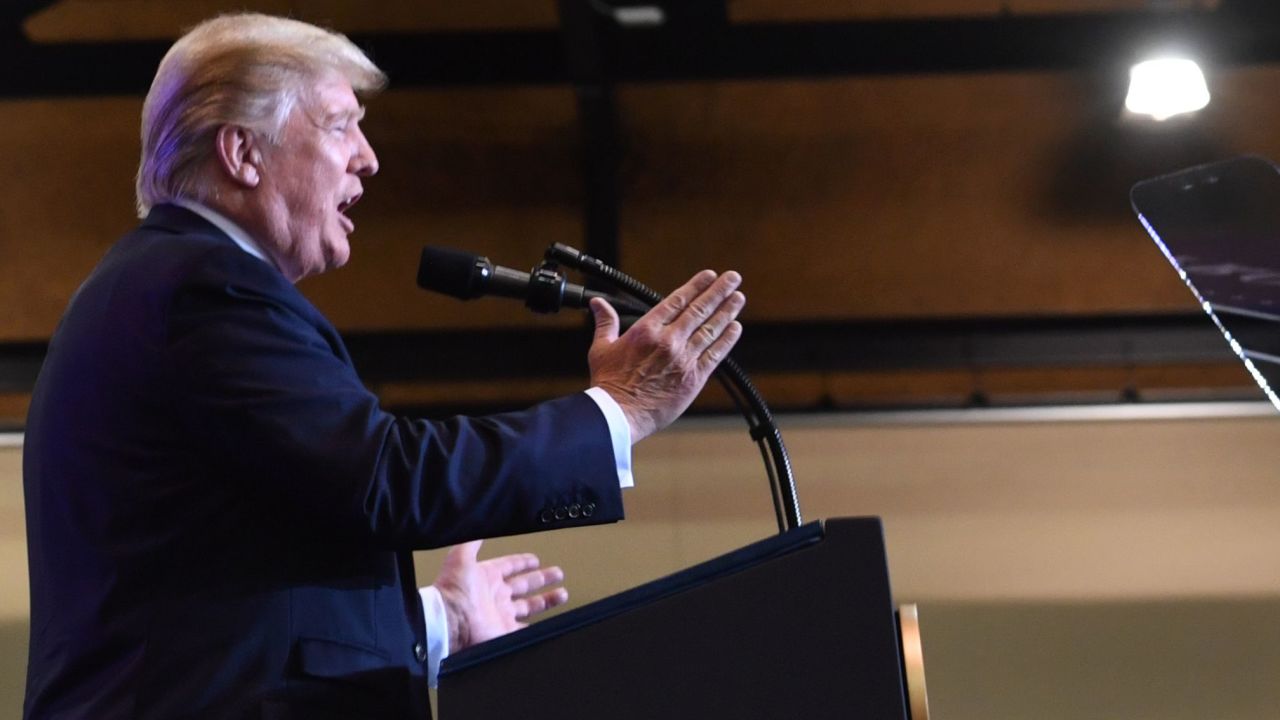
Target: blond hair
x,y
246,69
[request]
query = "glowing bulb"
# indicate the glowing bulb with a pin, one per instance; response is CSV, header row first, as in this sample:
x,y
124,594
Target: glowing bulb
x,y
1166,87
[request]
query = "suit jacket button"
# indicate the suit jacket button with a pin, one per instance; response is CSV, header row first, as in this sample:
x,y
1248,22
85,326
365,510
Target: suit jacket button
x,y
588,509
561,513
575,510
420,652
545,516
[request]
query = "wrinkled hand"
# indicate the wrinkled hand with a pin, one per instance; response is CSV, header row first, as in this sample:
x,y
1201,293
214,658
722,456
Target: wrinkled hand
x,y
659,365
489,598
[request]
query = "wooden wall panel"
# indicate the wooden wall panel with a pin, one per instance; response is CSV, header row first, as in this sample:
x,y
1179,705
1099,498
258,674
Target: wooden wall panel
x,y
870,197
67,195
917,196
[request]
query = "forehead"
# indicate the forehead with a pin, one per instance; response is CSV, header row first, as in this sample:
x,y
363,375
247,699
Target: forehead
x,y
331,94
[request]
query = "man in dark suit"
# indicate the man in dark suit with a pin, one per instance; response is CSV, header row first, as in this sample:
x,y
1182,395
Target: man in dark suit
x,y
220,516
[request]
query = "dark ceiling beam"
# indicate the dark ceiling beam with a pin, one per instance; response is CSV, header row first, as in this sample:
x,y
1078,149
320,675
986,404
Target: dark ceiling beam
x,y
796,346
1008,43
14,12
974,345
820,346
699,49
78,69
601,149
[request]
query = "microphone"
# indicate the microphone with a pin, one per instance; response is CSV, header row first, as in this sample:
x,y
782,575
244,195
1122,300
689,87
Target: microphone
x,y
467,276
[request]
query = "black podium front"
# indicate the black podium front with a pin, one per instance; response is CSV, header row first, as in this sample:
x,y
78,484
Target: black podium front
x,y
801,625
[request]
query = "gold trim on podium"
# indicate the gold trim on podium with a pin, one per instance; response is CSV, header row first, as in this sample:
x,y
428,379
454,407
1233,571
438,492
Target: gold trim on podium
x,y
913,662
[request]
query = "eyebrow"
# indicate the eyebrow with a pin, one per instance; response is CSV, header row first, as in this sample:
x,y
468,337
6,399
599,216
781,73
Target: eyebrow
x,y
357,115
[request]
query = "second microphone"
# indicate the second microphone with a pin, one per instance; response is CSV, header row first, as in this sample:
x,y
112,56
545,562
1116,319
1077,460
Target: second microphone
x,y
467,276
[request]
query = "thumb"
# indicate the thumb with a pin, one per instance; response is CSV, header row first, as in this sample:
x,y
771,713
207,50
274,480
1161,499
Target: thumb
x,y
607,322
463,554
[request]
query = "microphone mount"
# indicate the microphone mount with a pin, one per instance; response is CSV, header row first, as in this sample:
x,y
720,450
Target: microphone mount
x,y
546,288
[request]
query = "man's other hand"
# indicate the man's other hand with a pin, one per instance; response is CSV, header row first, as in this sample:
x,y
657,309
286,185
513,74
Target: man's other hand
x,y
659,365
488,598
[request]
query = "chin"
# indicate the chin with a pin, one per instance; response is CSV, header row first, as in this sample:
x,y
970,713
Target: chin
x,y
338,257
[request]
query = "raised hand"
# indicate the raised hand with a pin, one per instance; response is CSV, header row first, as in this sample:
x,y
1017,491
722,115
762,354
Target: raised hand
x,y
657,367
488,598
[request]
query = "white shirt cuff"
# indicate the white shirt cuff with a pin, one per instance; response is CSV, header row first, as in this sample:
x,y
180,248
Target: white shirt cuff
x,y
619,432
437,631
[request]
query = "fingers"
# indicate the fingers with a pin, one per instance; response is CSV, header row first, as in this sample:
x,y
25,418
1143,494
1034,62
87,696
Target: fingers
x,y
713,330
534,604
719,349
529,598
509,565
534,580
707,303
521,572
677,302
705,321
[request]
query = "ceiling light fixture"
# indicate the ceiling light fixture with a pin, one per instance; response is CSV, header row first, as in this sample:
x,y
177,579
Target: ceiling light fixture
x,y
1166,87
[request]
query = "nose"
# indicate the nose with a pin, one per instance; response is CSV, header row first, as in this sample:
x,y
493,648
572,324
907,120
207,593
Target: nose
x,y
364,162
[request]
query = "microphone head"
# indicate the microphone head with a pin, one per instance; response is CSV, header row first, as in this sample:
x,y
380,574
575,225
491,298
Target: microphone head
x,y
453,272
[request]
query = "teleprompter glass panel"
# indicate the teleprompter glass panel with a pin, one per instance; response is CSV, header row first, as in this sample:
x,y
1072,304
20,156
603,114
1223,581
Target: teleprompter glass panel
x,y
1219,225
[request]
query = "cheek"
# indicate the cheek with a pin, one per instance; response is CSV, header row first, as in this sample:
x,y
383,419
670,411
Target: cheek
x,y
313,198
308,209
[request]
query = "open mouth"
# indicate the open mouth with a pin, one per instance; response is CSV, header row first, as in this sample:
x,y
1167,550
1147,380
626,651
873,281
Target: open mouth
x,y
344,206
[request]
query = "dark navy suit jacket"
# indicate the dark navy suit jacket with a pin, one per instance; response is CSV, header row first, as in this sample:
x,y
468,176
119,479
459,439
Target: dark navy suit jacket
x,y
220,516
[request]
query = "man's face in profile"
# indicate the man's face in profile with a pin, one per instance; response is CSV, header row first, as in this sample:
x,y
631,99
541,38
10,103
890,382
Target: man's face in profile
x,y
312,177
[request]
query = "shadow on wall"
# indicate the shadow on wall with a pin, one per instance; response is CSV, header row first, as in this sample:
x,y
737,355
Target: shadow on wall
x,y
1101,161
13,668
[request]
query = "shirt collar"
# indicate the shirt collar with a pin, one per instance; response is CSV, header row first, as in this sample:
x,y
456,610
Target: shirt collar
x,y
226,225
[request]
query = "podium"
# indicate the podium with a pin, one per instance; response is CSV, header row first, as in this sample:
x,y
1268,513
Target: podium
x,y
801,625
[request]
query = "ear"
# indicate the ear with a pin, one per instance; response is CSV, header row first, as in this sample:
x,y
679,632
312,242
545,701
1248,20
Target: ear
x,y
239,155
